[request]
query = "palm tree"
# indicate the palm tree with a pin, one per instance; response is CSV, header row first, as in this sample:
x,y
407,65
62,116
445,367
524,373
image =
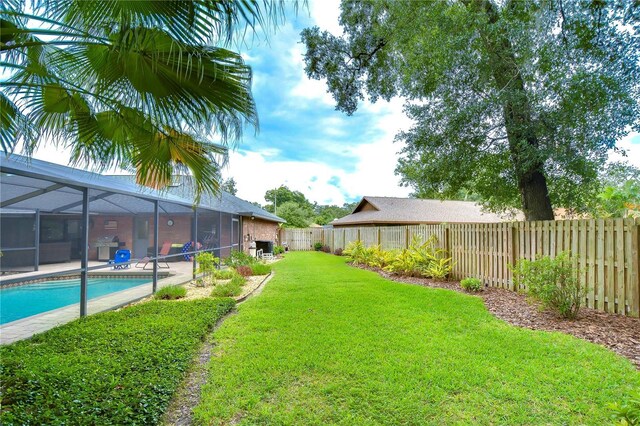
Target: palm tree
x,y
142,85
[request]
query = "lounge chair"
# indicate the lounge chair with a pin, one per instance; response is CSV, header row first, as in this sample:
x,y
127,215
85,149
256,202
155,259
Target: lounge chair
x,y
164,251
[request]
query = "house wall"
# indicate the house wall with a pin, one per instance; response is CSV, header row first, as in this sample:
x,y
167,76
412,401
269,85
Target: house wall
x,y
258,229
97,230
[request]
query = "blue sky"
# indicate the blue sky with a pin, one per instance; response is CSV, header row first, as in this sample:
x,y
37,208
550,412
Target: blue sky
x,y
303,142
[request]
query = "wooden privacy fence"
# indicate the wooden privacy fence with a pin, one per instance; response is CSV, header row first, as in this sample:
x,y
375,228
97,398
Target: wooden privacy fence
x,y
605,251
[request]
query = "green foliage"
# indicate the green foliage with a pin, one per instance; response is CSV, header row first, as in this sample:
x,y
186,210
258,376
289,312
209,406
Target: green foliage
x,y
171,292
223,274
420,259
137,85
340,345
295,215
317,246
503,107
554,282
278,250
114,368
239,258
627,413
229,185
471,284
230,289
260,269
325,214
620,201
207,264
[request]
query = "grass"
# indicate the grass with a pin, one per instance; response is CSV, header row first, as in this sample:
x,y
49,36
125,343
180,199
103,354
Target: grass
x,y
230,289
260,269
114,368
326,343
171,292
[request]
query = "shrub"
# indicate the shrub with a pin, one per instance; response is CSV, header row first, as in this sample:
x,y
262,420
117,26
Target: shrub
x,y
554,282
421,259
223,274
338,252
326,249
237,258
260,269
627,413
354,252
317,246
114,368
171,292
278,250
206,265
229,289
471,284
244,270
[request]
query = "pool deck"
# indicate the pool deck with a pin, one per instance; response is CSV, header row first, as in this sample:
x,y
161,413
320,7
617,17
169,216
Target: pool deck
x,y
179,272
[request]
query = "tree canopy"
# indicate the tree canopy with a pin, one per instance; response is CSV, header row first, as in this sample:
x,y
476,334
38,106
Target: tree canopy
x,y
143,85
517,101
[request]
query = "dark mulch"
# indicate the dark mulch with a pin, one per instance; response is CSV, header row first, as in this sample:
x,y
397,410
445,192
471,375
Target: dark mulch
x,y
619,333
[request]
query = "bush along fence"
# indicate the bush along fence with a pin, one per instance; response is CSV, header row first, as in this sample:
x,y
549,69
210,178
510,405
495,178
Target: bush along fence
x,y
605,251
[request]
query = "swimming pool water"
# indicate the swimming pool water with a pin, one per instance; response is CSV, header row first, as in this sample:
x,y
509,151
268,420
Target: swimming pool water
x,y
31,299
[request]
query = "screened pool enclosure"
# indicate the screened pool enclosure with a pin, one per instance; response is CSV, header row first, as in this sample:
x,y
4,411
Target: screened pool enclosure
x,y
60,223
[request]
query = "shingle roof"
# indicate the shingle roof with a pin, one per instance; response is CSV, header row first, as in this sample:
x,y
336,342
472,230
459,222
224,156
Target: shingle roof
x,y
390,210
224,202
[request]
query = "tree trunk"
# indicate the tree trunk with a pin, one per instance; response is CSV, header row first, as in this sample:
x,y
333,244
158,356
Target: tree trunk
x,y
523,142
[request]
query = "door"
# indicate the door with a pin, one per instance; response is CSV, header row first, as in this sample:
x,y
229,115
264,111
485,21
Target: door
x,y
140,237
235,234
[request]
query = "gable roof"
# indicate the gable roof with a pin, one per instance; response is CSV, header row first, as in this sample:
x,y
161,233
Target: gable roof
x,y
392,210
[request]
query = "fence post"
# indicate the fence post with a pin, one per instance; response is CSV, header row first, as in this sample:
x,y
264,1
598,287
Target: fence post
x,y
634,285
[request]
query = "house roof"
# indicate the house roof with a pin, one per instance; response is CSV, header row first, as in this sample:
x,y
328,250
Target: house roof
x,y
224,201
30,184
391,210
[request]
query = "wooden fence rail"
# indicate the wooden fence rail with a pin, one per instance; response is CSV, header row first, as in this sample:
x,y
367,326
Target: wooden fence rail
x,y
606,251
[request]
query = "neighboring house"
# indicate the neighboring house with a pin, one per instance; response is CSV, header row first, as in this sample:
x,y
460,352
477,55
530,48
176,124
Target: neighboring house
x,y
386,211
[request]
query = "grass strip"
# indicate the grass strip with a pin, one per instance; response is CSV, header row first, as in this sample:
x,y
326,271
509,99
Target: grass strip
x,y
113,368
326,343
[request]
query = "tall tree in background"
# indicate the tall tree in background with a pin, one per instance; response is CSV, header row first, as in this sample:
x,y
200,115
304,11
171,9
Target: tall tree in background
x,y
517,101
143,85
229,185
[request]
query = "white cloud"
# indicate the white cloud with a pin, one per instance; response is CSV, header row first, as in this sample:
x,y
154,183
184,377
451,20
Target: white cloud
x,y
325,14
632,150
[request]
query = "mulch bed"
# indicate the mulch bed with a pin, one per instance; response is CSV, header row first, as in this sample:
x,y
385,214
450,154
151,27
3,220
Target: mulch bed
x,y
619,333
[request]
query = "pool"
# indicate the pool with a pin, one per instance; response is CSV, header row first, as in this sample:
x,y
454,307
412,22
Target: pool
x,y
31,299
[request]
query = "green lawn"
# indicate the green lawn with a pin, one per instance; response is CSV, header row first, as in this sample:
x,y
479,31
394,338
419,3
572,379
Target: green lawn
x,y
328,343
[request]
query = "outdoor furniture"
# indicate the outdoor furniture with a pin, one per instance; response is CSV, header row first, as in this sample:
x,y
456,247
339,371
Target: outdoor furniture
x,y
164,251
122,259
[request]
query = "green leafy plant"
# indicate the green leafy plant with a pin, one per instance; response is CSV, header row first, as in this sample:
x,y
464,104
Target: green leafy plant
x,y
138,358
260,269
223,274
171,292
354,252
207,263
627,413
471,284
552,281
317,246
237,258
278,250
230,289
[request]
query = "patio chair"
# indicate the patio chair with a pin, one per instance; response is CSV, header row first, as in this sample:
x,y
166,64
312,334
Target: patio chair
x,y
164,251
122,259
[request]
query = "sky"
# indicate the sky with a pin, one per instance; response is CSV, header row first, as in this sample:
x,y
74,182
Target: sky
x,y
303,142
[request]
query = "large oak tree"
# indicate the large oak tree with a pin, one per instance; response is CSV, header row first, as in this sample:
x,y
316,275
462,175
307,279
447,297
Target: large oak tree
x,y
517,101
